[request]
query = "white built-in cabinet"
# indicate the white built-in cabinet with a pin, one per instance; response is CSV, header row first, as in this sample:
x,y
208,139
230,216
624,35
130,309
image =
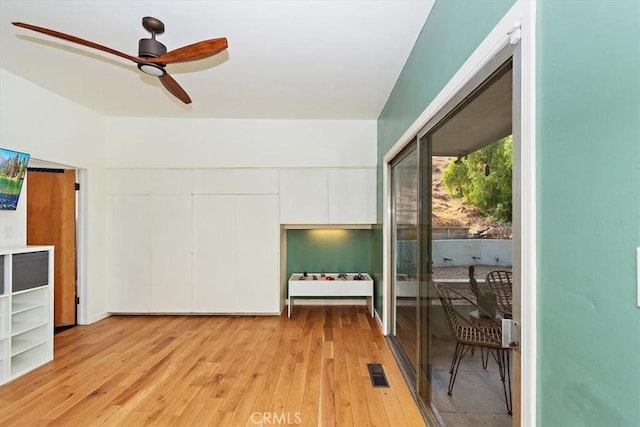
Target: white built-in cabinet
x,y
236,253
208,240
149,254
201,241
328,196
214,253
129,253
303,196
26,310
170,218
352,196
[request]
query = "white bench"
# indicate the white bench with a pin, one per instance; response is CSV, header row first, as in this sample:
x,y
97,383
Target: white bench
x,y
339,287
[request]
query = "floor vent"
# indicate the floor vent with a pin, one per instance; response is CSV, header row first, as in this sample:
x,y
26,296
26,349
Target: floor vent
x,y
376,372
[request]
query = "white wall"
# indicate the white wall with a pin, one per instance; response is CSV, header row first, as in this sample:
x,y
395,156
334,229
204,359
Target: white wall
x,y
205,143
218,157
53,129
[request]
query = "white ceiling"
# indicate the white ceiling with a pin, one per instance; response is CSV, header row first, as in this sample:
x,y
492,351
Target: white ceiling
x,y
286,59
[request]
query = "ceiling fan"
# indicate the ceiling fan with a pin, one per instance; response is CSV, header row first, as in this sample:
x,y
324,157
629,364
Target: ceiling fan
x,y
152,55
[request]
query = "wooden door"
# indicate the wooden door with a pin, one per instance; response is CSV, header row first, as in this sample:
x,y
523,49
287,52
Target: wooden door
x,y
51,220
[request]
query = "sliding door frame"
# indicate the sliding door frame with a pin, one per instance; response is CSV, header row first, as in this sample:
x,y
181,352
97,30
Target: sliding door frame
x,y
516,28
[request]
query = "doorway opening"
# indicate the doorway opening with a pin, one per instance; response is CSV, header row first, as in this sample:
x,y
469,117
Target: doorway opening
x,y
52,212
425,252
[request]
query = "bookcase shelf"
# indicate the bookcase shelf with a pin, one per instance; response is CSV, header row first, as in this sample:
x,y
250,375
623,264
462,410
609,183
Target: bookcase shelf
x,y
26,310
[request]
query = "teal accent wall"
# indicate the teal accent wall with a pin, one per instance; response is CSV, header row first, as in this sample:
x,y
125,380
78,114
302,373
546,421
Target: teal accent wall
x,y
325,251
588,200
376,267
454,29
588,142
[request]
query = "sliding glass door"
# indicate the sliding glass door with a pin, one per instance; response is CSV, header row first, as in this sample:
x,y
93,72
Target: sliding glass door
x,y
404,205
411,270
421,335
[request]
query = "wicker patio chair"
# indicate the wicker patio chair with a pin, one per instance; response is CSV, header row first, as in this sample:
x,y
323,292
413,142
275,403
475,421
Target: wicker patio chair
x,y
486,300
499,282
469,334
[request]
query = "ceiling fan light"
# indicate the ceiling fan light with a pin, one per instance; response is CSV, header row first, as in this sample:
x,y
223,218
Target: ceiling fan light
x,y
151,69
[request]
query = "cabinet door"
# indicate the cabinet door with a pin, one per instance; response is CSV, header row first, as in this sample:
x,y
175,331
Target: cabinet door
x,y
171,181
128,181
303,196
170,235
128,253
235,181
257,254
352,196
213,254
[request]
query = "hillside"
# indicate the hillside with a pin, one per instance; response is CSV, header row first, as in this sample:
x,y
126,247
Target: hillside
x,y
454,212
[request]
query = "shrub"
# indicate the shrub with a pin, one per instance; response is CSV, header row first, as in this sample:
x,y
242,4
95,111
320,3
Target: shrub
x,y
483,179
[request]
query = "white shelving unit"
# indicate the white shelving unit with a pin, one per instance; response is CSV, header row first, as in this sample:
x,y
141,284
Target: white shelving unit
x,y
26,310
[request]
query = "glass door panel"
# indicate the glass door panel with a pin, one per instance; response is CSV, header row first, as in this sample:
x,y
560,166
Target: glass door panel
x,y
404,204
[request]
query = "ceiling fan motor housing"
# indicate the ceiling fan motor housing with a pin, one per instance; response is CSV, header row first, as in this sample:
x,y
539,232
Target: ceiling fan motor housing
x,y
151,48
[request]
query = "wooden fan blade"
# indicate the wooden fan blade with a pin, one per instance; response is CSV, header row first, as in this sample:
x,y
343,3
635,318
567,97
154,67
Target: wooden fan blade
x,y
175,89
77,40
192,52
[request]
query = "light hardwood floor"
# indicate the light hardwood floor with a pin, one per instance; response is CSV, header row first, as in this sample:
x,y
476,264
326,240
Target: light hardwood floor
x,y
216,371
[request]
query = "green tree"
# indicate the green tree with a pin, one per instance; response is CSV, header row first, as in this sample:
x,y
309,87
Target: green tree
x,y
483,179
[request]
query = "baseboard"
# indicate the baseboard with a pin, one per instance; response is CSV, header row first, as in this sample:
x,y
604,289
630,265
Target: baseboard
x,y
320,301
96,318
380,324
195,313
